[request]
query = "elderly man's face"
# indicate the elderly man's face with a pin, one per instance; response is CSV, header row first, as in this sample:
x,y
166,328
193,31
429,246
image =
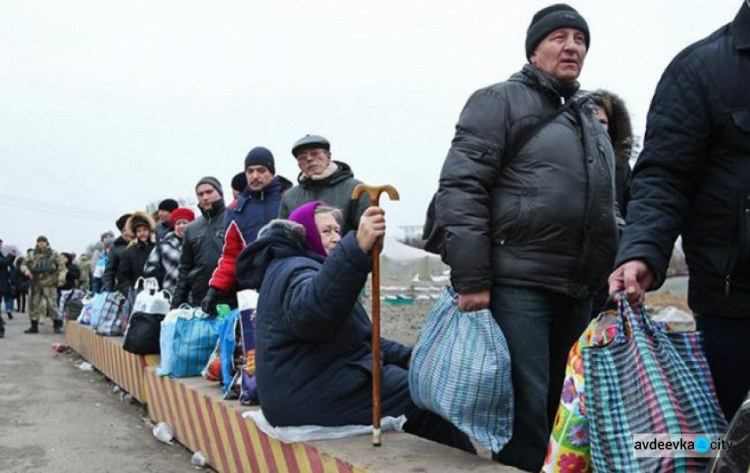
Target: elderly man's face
x,y
561,54
258,177
313,161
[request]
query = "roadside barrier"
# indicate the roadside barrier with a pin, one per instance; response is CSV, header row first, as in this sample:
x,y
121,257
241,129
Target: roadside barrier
x,y
202,421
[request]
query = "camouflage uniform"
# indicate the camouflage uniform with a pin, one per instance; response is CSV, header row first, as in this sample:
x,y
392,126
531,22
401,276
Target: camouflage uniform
x,y
48,270
84,281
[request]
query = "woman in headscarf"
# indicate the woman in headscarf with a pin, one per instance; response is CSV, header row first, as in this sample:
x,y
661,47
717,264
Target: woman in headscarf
x,y
313,337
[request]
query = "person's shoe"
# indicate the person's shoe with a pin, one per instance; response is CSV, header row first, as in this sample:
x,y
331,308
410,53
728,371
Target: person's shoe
x,y
34,327
10,315
57,326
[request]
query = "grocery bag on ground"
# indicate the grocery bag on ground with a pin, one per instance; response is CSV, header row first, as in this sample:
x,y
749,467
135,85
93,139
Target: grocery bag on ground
x,y
460,370
647,381
96,308
247,302
85,316
110,317
74,305
144,325
230,351
166,339
149,299
193,341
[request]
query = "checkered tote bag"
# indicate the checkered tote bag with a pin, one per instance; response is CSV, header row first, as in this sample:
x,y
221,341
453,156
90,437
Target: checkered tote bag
x,y
647,381
460,369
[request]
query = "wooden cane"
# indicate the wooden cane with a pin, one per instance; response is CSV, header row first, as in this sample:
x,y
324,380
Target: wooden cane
x,y
374,193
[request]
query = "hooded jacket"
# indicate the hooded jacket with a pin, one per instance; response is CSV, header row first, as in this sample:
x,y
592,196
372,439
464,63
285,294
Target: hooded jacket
x,y
335,190
134,257
547,217
693,175
312,336
202,245
621,134
251,211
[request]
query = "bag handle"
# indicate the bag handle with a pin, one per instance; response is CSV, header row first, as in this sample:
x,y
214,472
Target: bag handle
x,y
632,320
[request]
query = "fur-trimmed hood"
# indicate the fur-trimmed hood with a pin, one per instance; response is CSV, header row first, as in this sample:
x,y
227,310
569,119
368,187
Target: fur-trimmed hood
x,y
137,219
620,126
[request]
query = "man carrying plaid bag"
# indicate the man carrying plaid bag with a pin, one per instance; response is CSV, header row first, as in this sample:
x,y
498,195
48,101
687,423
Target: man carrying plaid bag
x,y
693,178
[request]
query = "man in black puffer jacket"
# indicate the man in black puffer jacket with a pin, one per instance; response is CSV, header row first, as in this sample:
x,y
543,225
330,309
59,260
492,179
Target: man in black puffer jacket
x,y
693,177
532,233
203,243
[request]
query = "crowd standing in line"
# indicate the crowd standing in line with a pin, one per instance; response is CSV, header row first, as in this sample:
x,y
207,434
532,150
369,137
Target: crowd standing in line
x,y
529,206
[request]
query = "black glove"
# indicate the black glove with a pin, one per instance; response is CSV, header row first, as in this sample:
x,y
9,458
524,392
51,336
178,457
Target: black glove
x,y
208,304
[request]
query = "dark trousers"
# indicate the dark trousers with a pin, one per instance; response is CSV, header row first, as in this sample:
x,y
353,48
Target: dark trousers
x,y
540,326
21,301
728,353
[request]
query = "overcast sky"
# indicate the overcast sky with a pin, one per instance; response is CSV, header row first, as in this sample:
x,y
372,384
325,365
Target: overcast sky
x,y
106,106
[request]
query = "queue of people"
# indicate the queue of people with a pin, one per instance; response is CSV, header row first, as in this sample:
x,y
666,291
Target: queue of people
x,y
536,205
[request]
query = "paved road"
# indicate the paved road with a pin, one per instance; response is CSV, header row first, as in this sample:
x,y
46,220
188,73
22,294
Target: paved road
x,y
55,417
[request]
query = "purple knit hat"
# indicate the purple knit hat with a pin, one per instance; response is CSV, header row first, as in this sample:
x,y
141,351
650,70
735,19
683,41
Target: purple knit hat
x,y
305,216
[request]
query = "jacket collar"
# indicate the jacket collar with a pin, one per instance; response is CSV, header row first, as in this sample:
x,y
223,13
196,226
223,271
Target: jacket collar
x,y
552,87
741,27
273,187
215,209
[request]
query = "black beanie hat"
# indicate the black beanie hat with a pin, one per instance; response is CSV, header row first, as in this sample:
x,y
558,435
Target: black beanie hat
x,y
239,182
213,182
553,18
169,205
260,156
120,222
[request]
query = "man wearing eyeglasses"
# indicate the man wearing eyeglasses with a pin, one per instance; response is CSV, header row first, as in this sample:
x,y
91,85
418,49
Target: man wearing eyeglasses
x,y
322,178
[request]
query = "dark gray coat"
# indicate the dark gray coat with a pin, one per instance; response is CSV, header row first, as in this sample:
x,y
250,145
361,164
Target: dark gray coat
x,y
113,263
201,250
547,218
335,190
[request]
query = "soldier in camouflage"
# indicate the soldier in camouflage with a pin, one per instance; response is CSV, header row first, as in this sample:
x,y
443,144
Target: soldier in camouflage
x,y
46,269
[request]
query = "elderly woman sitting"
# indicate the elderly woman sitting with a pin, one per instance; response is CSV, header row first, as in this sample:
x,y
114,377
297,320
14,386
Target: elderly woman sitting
x,y
313,337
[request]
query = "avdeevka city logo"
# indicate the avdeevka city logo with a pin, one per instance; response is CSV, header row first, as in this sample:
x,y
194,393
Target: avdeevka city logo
x,y
678,446
702,444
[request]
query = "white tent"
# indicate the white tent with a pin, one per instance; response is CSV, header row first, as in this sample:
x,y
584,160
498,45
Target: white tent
x,y
400,262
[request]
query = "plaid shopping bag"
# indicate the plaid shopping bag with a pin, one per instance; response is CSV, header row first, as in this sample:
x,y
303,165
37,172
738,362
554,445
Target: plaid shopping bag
x,y
647,381
193,341
110,318
460,370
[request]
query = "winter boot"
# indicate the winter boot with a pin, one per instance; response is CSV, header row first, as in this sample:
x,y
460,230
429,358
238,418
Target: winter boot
x,y
10,315
34,327
57,326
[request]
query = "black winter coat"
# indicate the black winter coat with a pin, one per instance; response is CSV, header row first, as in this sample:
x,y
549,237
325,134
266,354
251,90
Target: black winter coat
x,y
312,336
693,175
545,218
71,276
203,244
6,275
131,265
108,278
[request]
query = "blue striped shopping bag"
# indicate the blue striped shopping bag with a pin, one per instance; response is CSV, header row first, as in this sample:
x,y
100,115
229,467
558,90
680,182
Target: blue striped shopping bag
x,y
647,381
194,339
460,370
